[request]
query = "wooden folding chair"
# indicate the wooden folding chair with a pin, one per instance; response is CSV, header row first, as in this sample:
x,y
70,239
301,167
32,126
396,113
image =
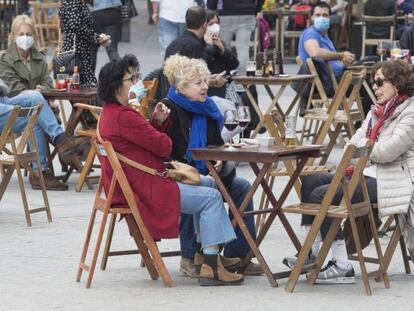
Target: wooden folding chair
x,y
379,20
46,24
317,99
292,35
146,246
345,210
276,129
89,133
338,114
15,158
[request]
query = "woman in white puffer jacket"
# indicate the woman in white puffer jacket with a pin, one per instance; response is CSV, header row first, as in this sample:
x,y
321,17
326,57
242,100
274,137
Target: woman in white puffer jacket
x,y
390,173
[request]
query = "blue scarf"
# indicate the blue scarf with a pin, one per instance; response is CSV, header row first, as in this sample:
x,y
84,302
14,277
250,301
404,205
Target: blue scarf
x,y
198,133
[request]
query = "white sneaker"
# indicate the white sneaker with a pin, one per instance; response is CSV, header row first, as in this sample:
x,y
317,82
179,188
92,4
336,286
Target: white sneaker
x,y
332,274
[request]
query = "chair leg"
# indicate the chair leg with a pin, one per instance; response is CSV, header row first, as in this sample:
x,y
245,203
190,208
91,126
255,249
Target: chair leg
x,y
108,242
85,170
23,193
86,244
44,193
6,176
264,203
324,250
361,259
405,255
96,251
142,247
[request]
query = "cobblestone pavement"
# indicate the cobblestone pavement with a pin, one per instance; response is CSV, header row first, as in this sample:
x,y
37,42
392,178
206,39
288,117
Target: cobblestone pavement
x,y
38,264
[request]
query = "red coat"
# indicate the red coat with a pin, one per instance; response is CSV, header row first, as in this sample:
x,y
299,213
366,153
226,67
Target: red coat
x,y
132,136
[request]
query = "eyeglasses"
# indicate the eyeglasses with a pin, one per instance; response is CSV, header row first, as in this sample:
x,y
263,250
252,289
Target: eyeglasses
x,y
134,78
379,82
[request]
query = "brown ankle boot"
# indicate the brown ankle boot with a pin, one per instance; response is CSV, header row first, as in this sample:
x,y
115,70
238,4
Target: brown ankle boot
x,y
213,273
51,182
71,146
231,264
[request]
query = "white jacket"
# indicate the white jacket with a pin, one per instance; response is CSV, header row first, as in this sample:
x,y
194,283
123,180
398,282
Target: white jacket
x,y
393,155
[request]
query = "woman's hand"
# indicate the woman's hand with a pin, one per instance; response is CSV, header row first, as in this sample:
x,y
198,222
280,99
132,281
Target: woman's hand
x,y
105,39
208,38
161,113
217,42
218,166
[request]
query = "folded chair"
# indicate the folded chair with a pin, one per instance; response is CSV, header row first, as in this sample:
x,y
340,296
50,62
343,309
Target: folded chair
x,y
371,21
276,129
89,133
345,210
146,245
14,158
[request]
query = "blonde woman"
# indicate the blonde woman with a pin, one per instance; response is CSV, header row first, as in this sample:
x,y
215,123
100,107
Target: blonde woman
x,y
196,122
160,199
22,66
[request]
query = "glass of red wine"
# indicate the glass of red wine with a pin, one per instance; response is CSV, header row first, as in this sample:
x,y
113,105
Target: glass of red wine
x,y
230,123
243,115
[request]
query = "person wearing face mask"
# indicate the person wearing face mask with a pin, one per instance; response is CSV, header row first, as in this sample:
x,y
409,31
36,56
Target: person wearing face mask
x,y
22,66
388,176
314,41
219,58
160,199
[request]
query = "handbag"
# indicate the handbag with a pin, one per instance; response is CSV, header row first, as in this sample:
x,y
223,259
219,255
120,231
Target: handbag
x,y
128,9
65,62
178,171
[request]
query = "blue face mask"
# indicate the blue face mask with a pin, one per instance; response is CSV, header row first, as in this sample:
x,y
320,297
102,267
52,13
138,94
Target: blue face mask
x,y
321,24
138,91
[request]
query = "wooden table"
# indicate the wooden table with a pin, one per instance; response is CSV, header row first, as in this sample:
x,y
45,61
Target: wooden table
x,y
83,95
267,82
266,156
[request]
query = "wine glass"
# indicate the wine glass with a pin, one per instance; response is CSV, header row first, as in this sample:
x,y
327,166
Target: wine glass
x,y
230,123
381,49
243,115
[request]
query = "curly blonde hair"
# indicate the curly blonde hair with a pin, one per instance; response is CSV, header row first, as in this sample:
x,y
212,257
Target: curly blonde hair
x,y
17,22
180,70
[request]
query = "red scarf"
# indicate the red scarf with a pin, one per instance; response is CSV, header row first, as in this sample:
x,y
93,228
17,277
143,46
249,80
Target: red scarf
x,y
383,113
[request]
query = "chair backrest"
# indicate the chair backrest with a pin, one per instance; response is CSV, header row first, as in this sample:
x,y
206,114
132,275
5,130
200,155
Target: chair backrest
x,y
334,106
351,153
94,110
7,135
371,21
325,81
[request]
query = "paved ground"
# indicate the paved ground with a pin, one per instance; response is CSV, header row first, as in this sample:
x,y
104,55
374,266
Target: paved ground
x,y
38,264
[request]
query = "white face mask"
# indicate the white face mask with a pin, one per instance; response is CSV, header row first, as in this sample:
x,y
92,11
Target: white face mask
x,y
215,28
24,42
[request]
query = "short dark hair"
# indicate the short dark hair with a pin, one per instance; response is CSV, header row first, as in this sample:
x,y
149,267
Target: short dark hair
x,y
195,17
398,73
322,5
111,75
211,14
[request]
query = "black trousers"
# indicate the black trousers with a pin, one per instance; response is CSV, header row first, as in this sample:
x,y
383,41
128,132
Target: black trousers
x,y
107,21
314,188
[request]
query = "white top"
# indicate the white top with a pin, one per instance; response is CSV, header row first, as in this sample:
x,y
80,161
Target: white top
x,y
174,10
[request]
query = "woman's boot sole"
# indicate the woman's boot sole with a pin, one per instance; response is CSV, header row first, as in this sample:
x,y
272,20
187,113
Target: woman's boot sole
x,y
214,282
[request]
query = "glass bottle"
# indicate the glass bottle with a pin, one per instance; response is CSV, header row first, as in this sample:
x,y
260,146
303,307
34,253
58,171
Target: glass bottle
x,y
75,79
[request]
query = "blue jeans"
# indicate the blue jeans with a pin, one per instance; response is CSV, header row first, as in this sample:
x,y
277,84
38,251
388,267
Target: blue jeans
x,y
236,248
46,122
168,31
209,217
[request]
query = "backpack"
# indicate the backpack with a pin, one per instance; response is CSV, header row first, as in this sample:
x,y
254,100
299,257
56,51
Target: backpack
x,y
264,33
300,21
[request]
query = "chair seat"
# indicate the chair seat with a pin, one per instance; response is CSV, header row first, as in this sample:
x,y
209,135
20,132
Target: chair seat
x,y
6,159
307,170
335,211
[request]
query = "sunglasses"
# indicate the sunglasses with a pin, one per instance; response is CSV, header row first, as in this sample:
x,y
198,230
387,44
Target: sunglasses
x,y
379,82
134,78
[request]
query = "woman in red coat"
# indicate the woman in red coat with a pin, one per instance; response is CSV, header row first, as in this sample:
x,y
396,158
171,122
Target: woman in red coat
x,y
160,200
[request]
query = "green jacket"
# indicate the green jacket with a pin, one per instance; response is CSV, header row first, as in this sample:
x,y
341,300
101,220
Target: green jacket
x,y
17,76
